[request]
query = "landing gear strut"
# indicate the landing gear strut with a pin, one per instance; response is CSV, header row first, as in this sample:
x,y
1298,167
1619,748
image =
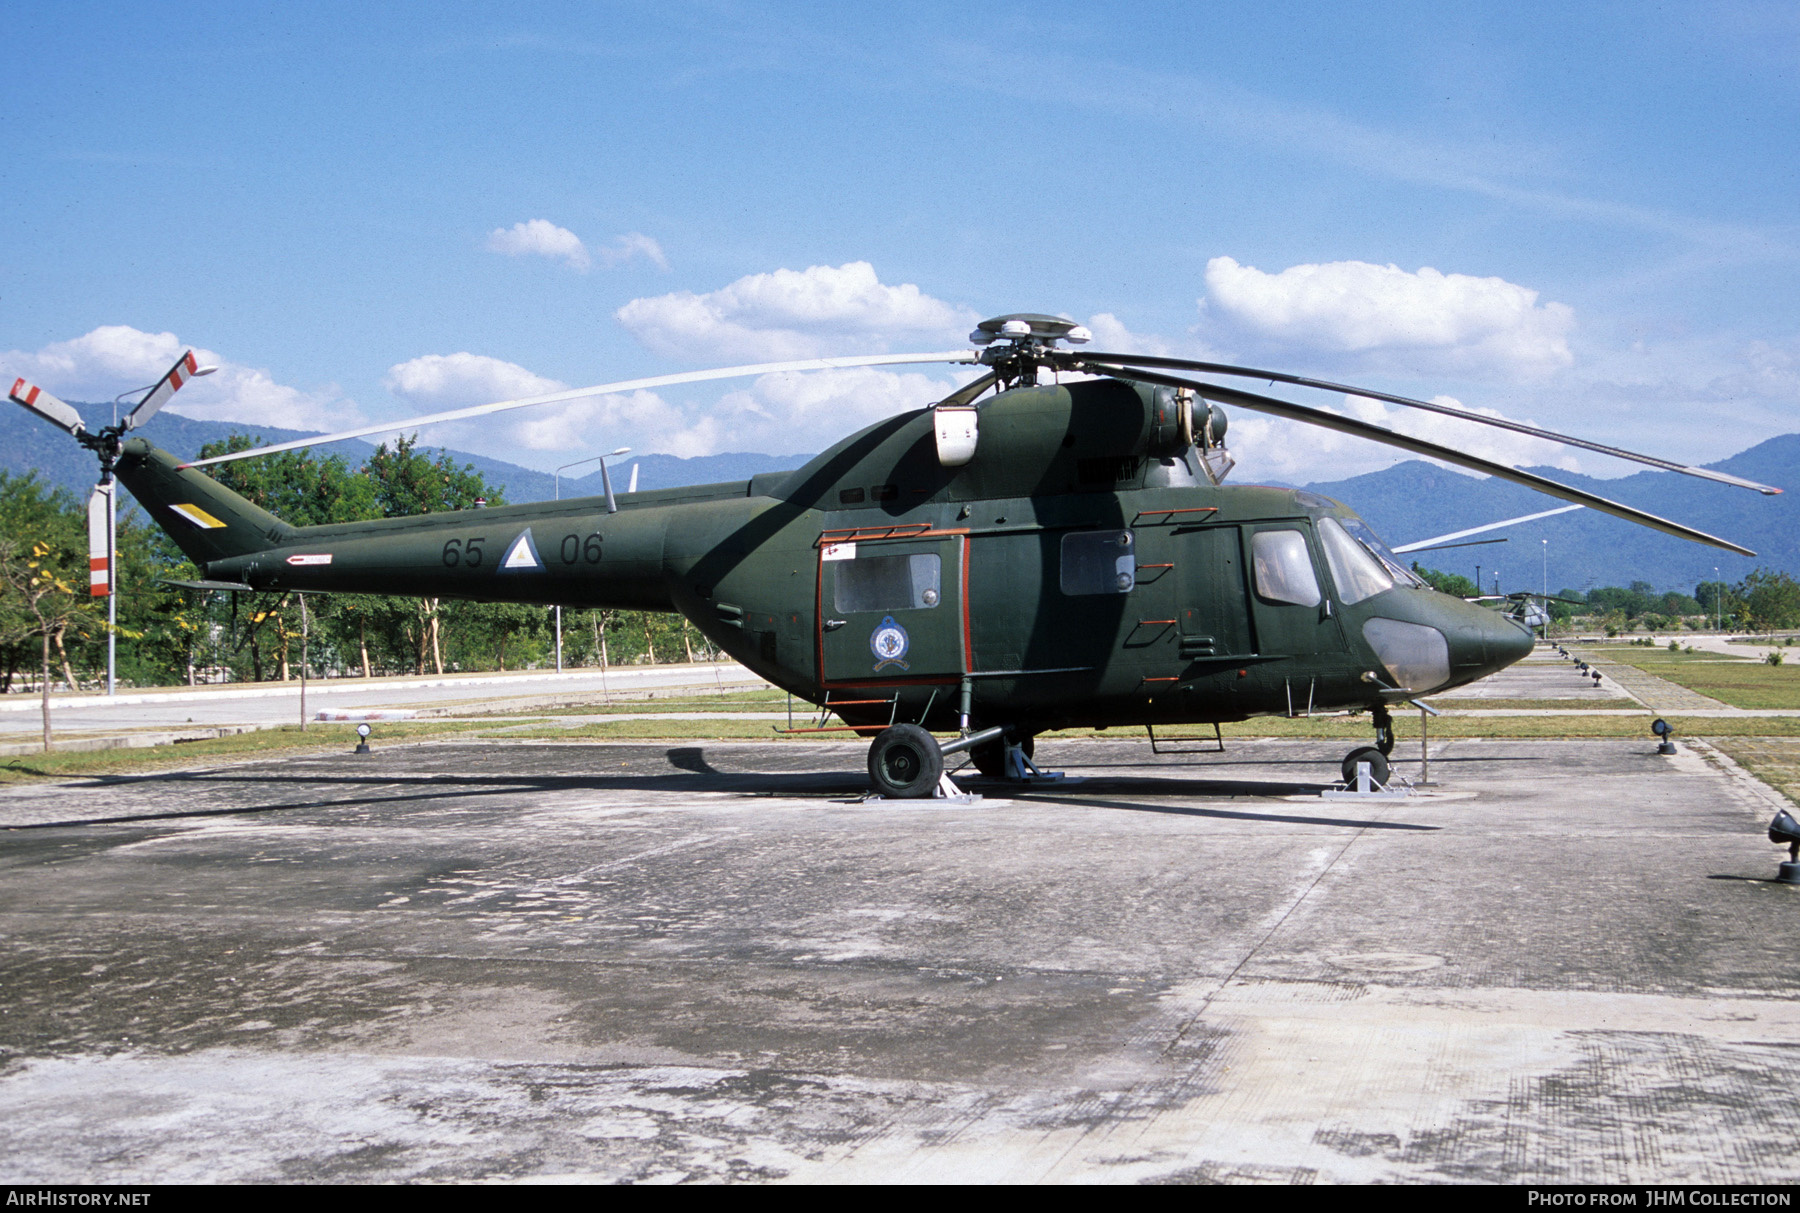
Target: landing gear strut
x,y
907,763
990,757
1384,730
1375,755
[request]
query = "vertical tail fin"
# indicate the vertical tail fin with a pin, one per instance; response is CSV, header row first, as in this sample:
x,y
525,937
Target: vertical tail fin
x,y
206,520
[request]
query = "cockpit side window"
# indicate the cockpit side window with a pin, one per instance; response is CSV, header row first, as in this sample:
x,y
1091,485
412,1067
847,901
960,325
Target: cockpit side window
x,y
1353,567
1284,571
1359,531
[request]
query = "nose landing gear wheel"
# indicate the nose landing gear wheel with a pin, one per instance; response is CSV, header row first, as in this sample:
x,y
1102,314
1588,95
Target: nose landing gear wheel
x,y
905,762
1378,765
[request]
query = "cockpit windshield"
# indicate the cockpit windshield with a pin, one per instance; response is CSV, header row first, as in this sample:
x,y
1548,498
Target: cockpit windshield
x,y
1363,535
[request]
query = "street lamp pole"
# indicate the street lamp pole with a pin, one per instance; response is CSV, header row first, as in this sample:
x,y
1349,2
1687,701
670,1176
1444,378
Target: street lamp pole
x,y
1718,602
612,507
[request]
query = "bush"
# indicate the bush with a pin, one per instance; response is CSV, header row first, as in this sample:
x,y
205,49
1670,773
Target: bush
x,y
1774,657
1675,646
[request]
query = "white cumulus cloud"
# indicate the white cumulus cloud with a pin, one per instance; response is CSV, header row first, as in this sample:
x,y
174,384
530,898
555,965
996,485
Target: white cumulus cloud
x,y
630,247
788,314
1452,320
1111,335
463,379
116,358
540,238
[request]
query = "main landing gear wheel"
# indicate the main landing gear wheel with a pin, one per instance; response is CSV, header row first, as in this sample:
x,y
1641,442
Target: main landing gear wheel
x,y
905,762
1378,765
990,756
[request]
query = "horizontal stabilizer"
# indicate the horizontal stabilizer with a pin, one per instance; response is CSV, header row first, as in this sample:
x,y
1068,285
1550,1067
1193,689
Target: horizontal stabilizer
x,y
236,587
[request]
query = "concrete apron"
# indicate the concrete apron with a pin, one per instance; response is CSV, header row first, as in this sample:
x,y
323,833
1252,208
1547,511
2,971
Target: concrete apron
x,y
700,962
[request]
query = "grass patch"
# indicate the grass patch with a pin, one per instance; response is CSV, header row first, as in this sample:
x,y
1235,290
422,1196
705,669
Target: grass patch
x,y
287,740
1589,703
1636,653
1348,728
764,699
1774,760
290,740
1742,684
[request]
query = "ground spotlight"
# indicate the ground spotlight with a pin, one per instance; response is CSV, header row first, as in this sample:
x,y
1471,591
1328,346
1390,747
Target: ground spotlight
x,y
1663,730
1785,829
362,738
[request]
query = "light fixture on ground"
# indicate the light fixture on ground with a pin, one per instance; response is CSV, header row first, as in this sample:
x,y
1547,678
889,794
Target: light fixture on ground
x,y
1663,730
362,738
1784,829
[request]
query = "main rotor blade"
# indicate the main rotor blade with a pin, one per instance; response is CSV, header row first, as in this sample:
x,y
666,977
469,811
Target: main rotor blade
x,y
1444,540
1249,372
1431,450
185,368
604,389
35,398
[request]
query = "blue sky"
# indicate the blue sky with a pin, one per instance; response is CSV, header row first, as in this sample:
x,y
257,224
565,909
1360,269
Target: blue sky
x,y
1582,218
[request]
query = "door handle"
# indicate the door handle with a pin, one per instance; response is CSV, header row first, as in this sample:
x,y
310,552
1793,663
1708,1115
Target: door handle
x,y
832,625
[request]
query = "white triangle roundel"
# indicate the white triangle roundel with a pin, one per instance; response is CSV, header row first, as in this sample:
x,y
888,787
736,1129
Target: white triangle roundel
x,y
522,556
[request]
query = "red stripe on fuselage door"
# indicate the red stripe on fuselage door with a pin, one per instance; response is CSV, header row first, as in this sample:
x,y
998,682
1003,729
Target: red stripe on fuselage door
x,y
968,636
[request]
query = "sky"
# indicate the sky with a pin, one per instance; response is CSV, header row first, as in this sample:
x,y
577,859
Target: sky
x,y
1585,217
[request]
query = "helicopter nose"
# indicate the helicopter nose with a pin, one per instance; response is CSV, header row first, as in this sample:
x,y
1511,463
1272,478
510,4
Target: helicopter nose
x,y
1484,642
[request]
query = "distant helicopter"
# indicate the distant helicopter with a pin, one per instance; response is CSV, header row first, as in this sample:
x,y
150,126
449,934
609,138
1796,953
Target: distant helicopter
x,y
1054,555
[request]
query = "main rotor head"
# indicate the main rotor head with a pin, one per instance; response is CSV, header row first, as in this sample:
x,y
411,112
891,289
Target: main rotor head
x,y
1015,345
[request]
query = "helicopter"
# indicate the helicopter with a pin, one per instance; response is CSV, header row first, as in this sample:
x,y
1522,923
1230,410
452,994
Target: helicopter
x,y
1019,556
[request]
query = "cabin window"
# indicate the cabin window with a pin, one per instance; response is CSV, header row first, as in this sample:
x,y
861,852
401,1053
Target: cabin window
x,y
888,583
850,496
1284,571
1357,573
1099,562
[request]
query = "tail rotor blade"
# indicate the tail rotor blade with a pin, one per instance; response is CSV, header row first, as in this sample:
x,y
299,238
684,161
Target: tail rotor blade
x,y
35,398
186,367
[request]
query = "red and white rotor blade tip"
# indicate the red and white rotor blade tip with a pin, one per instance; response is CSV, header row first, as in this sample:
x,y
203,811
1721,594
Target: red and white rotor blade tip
x,y
186,367
35,398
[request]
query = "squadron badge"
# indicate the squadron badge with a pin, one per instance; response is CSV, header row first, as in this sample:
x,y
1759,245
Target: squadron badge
x,y
889,643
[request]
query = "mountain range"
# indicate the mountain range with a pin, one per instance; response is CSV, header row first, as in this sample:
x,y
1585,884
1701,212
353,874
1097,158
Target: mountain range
x,y
1406,502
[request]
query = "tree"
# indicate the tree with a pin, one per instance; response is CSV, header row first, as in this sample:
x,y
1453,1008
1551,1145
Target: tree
x,y
34,582
1449,583
304,490
296,486
406,482
32,514
1771,600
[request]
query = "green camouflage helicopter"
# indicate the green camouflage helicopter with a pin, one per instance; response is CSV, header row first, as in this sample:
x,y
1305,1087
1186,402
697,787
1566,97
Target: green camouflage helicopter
x,y
1052,555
